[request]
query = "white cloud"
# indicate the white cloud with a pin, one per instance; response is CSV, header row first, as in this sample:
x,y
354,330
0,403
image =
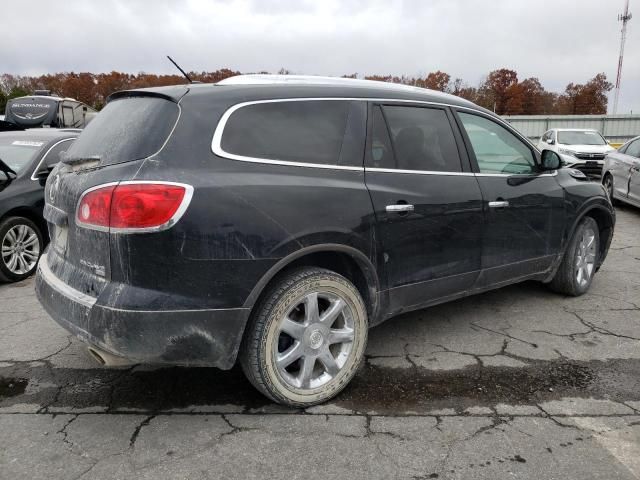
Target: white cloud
x,y
559,42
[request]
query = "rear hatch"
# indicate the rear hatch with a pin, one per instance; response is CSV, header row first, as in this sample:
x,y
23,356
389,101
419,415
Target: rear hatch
x,y
130,129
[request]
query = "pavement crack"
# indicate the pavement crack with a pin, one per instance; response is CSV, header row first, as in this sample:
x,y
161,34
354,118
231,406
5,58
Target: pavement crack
x,y
139,427
408,357
534,345
69,343
234,428
64,433
601,330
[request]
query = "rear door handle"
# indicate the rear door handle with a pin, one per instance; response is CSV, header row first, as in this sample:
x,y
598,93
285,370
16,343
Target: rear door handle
x,y
399,208
499,204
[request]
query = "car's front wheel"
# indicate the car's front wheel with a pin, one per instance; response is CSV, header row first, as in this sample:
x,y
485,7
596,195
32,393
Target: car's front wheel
x,y
20,248
575,274
307,338
607,182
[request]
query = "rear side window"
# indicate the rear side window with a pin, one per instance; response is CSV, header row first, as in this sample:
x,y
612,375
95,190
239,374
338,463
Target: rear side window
x,y
422,139
328,132
125,130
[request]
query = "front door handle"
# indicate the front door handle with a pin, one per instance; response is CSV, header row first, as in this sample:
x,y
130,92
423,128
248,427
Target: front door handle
x,y
399,208
499,204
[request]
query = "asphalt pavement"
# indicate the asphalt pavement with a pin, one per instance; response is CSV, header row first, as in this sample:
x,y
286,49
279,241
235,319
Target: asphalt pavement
x,y
515,383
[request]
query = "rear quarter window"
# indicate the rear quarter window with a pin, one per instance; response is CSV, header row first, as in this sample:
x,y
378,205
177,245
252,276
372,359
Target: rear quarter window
x,y
329,132
127,129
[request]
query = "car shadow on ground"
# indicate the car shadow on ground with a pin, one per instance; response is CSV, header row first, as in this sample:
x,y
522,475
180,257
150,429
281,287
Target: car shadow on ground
x,y
375,388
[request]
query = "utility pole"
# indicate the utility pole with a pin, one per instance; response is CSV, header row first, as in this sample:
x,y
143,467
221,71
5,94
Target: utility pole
x,y
624,18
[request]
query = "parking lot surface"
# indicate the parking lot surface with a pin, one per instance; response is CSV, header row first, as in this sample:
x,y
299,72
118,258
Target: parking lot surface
x,y
516,383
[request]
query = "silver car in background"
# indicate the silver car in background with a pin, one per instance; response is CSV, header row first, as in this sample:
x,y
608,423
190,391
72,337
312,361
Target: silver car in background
x,y
621,173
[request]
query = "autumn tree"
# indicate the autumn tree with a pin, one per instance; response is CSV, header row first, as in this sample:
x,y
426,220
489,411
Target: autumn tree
x,y
461,89
497,89
437,81
586,99
536,100
500,90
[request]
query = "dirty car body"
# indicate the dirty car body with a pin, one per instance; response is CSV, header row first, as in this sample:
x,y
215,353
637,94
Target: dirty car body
x,y
182,293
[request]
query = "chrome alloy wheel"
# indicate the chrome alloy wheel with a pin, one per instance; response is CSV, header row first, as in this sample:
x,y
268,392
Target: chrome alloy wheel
x,y
586,257
20,249
314,340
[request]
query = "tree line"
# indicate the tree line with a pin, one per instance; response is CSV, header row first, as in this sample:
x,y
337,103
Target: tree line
x,y
500,91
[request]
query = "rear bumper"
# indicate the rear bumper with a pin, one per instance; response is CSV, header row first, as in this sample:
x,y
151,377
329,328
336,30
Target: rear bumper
x,y
179,337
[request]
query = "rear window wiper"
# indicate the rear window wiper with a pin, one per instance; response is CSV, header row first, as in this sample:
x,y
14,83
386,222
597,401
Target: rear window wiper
x,y
77,162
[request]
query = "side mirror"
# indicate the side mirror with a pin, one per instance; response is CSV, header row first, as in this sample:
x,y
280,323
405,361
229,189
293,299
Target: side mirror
x,y
550,141
550,160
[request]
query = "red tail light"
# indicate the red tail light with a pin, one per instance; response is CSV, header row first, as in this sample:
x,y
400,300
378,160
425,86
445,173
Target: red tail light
x,y
133,206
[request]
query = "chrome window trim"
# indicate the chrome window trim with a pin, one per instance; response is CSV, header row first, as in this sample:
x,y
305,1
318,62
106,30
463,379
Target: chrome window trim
x,y
418,172
186,201
62,288
33,174
463,174
216,146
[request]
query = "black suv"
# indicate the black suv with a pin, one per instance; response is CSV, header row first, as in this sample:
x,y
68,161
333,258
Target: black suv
x,y
26,158
276,219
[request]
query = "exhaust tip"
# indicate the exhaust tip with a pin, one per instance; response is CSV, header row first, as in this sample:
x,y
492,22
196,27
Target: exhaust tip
x,y
107,359
96,356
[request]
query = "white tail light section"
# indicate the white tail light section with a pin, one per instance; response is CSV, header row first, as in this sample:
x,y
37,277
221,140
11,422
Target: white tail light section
x,y
133,207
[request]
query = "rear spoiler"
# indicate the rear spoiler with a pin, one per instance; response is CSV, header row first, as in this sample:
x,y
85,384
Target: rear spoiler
x,y
173,94
9,127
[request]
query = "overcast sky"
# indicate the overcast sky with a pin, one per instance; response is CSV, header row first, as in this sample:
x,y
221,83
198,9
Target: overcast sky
x,y
558,41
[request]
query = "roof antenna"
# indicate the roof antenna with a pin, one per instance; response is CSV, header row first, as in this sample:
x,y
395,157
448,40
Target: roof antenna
x,y
181,70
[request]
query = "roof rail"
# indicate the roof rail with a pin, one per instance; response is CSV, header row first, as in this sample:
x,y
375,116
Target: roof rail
x,y
267,79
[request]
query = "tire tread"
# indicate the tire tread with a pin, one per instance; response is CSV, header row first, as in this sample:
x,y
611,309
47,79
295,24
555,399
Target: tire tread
x,y
256,327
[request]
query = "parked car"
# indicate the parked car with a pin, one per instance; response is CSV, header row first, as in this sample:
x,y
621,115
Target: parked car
x,y
26,158
582,149
276,219
621,176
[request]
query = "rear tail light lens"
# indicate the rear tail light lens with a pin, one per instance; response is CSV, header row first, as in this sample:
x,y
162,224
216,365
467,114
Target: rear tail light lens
x,y
133,206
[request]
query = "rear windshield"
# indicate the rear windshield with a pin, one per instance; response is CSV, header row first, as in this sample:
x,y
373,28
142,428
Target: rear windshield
x,y
17,152
125,130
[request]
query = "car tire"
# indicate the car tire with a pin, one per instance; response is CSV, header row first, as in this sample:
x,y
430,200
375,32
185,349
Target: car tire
x,y
21,245
607,182
298,354
578,267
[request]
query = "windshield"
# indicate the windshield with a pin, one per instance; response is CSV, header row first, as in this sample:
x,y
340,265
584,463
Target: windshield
x,y
580,138
17,152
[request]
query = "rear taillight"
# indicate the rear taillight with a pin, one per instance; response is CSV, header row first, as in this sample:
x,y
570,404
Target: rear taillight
x,y
133,206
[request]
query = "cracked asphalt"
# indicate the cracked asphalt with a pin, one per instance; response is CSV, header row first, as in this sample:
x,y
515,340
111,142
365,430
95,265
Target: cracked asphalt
x,y
516,383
